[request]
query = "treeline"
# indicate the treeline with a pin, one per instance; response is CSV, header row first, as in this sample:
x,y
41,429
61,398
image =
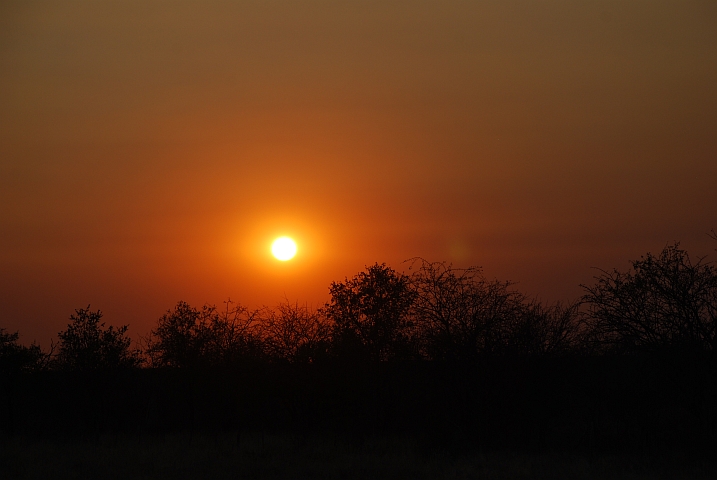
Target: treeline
x,y
440,351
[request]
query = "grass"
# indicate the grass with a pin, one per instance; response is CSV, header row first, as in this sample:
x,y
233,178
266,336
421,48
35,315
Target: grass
x,y
268,456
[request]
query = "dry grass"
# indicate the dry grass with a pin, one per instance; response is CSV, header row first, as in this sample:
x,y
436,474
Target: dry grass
x,y
261,456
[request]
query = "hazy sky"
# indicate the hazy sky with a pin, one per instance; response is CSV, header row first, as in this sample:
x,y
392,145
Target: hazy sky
x,y
150,151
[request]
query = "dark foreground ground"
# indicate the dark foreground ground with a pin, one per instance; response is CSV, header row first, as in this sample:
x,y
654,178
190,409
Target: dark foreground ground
x,y
273,456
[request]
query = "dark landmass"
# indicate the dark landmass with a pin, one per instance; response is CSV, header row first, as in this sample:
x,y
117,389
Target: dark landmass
x,y
440,374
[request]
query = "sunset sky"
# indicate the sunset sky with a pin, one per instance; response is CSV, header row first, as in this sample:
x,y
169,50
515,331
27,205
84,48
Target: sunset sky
x,y
150,152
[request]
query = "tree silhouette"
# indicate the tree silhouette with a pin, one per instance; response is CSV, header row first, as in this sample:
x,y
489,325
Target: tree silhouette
x,y
663,311
369,313
15,358
295,333
232,335
88,345
537,329
176,341
663,302
187,337
460,314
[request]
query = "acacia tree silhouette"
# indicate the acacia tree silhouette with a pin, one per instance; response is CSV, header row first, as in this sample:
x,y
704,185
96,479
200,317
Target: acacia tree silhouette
x,y
88,345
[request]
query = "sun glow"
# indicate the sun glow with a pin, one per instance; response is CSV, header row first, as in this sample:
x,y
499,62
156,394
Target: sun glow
x,y
283,248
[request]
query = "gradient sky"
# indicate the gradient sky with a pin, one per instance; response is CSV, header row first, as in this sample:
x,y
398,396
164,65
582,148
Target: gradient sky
x,y
151,151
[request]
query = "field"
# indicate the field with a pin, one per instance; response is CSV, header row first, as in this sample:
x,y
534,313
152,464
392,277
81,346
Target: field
x,y
275,456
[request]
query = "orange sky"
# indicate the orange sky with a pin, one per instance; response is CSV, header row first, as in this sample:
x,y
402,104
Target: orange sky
x,y
151,151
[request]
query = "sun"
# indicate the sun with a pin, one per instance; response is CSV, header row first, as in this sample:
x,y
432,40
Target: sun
x,y
283,248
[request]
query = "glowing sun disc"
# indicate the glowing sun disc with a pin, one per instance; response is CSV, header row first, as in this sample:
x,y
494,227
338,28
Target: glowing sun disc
x,y
283,248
